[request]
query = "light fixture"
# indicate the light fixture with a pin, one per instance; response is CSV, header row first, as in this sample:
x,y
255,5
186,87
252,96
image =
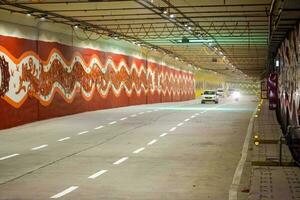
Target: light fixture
x,y
277,63
172,16
76,26
189,28
29,14
165,11
43,17
176,58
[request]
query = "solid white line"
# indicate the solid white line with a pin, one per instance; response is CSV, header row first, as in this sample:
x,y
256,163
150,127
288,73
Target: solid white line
x,y
99,127
141,113
83,132
186,120
173,129
111,123
63,139
66,191
39,147
239,169
120,161
139,150
180,124
10,156
97,174
164,134
124,118
152,142
134,115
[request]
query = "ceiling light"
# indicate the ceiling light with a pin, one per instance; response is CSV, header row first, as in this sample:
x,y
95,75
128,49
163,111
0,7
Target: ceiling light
x,y
176,58
165,11
29,14
189,28
76,26
172,16
43,17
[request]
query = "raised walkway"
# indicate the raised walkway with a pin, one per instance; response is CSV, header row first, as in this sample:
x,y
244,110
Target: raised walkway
x,y
271,176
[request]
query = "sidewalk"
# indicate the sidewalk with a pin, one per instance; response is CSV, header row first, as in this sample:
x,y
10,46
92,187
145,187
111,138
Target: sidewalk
x,y
270,178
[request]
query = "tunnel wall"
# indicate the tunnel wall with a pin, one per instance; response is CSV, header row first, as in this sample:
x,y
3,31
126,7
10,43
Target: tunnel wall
x,y
46,79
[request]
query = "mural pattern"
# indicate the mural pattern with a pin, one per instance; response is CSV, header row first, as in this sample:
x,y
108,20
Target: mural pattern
x,y
44,71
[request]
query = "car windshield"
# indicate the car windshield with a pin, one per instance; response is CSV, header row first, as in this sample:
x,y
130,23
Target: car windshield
x,y
210,92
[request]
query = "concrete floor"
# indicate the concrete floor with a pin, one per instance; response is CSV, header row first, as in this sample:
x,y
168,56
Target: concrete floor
x,y
195,159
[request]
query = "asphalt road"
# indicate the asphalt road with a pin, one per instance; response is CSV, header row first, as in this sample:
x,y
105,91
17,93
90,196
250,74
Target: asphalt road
x,y
168,151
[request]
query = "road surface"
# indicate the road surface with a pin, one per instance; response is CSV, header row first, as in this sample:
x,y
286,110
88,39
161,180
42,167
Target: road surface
x,y
183,150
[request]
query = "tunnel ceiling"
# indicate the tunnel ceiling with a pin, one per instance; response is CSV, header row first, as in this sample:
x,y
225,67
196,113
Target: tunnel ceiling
x,y
227,36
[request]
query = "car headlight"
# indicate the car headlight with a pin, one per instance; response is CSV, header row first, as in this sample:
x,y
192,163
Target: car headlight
x,y
236,94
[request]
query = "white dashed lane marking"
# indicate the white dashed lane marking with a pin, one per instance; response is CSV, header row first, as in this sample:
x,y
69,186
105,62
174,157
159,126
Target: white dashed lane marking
x,y
186,120
149,111
124,118
99,127
134,115
9,156
120,161
173,129
63,139
180,124
39,147
164,134
97,174
66,191
141,113
111,123
152,142
139,150
193,116
83,132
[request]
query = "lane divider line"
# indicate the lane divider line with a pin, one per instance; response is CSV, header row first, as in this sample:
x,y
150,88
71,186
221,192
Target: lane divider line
x,y
139,150
120,161
180,124
63,139
149,111
163,135
113,122
141,113
193,116
172,129
66,191
152,142
83,132
97,174
9,156
124,118
99,127
186,120
39,147
134,115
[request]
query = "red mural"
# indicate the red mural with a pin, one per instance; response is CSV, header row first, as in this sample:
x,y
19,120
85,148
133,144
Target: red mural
x,y
41,80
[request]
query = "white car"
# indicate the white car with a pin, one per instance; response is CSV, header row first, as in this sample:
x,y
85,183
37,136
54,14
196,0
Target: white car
x,y
210,96
220,92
